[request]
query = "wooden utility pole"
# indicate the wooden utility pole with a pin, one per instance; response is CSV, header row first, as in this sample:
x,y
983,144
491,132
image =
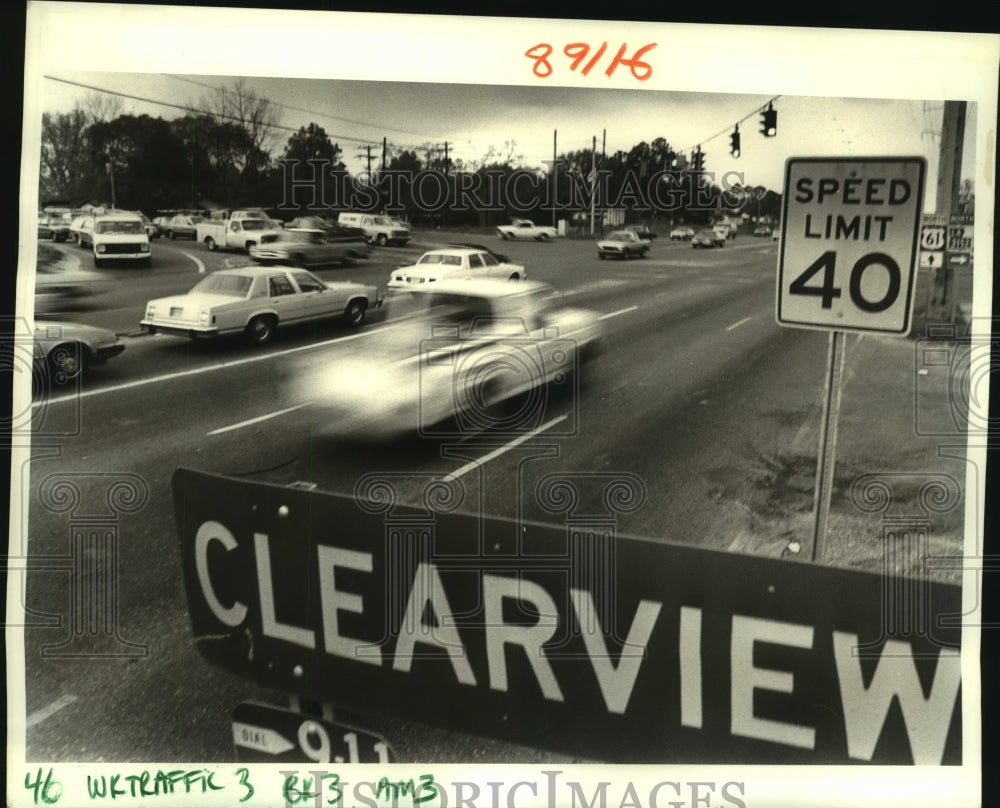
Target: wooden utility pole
x,y
948,185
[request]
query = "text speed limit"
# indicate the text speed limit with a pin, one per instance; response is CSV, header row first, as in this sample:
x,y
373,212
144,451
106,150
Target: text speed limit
x,y
849,246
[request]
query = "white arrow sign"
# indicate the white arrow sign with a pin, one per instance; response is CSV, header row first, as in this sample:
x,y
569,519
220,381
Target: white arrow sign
x,y
260,738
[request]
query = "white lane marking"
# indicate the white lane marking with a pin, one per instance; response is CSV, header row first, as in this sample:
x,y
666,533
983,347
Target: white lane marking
x,y
256,420
616,313
502,449
738,323
197,261
204,369
47,712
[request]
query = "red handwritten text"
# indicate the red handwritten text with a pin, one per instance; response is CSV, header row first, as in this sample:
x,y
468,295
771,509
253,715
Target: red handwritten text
x,y
578,53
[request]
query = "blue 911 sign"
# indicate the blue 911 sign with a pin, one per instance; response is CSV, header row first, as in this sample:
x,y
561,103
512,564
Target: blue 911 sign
x,y
849,240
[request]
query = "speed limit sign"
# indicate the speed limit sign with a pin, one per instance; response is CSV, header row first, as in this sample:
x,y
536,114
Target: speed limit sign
x,y
850,233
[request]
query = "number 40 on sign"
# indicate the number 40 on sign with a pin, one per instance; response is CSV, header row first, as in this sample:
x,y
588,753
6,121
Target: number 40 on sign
x,y
850,233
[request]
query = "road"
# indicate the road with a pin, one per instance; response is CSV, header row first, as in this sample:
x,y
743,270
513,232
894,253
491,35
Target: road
x,y
698,395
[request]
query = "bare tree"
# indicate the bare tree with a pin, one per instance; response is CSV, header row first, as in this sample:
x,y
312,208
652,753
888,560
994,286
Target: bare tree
x,y
254,114
101,107
64,158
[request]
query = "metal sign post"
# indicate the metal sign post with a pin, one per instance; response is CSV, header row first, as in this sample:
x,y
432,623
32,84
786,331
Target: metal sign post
x,y
826,459
847,262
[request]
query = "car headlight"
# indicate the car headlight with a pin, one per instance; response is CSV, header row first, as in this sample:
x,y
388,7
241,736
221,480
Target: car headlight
x,y
99,248
143,248
204,318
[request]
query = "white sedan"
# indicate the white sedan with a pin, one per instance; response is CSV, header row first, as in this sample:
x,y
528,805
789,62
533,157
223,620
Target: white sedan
x,y
460,263
255,300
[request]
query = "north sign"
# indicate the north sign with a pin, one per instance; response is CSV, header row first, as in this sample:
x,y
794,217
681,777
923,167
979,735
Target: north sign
x,y
851,228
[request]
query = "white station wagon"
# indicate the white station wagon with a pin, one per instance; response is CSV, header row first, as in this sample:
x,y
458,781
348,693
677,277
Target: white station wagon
x,y
255,300
455,263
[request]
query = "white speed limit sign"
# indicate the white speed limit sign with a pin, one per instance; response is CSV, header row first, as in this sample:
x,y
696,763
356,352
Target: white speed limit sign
x,y
850,232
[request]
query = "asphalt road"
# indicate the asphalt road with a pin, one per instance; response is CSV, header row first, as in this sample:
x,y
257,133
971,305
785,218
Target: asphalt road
x,y
698,395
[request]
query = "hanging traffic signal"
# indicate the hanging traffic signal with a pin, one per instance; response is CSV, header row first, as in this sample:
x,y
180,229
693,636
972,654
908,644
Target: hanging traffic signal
x,y
769,121
734,142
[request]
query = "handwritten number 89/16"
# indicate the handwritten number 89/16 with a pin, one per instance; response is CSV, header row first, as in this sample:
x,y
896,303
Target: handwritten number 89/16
x,y
577,52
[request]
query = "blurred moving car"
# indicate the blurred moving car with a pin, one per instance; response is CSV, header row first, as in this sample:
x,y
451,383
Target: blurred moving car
x,y
182,226
462,350
255,301
64,351
681,234
641,230
310,247
708,238
622,244
466,263
57,289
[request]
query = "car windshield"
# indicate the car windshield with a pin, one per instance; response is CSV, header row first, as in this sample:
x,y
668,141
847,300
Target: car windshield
x,y
120,228
219,284
441,258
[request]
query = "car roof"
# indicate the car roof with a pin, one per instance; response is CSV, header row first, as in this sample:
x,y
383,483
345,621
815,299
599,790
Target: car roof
x,y
456,251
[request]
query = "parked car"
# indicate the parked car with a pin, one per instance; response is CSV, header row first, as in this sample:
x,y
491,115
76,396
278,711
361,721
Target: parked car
x,y
64,351
465,263
641,230
306,247
622,244
379,229
724,230
762,231
182,226
503,259
776,234
161,224
681,234
84,221
708,238
152,231
119,237
54,224
255,301
450,360
525,228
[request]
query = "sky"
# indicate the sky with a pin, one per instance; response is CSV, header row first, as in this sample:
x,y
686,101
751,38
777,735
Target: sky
x,y
474,119
469,82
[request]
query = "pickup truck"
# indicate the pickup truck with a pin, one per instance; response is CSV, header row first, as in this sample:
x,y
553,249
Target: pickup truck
x,y
525,228
235,233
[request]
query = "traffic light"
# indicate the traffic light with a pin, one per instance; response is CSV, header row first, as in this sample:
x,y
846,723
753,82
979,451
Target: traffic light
x,y
697,160
734,142
769,121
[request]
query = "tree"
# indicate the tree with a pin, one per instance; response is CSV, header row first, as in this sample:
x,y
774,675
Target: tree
x,y
65,168
253,114
312,143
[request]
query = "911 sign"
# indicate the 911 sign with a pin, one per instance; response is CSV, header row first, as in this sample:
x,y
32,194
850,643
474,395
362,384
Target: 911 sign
x,y
850,233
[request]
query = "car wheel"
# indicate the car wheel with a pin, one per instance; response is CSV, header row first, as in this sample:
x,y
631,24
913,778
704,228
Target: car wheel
x,y
543,237
66,362
354,314
260,329
210,243
381,240
514,277
248,245
171,234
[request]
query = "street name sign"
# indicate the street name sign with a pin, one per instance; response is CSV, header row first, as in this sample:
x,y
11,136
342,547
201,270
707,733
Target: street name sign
x,y
558,636
851,228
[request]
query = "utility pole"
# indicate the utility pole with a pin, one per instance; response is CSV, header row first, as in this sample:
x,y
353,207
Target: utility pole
x,y
368,149
593,182
948,185
555,187
384,150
